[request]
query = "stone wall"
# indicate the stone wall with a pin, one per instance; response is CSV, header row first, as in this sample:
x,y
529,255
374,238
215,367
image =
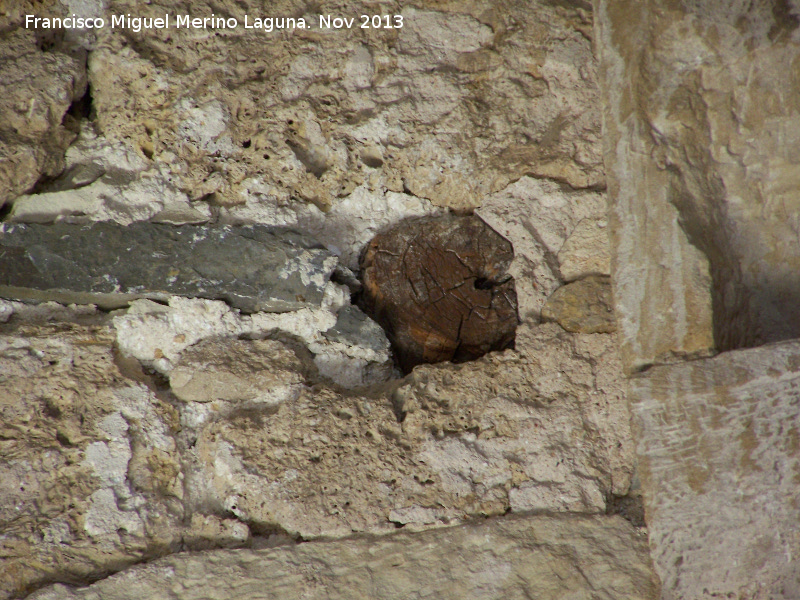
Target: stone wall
x,y
719,461
190,384
700,114
181,402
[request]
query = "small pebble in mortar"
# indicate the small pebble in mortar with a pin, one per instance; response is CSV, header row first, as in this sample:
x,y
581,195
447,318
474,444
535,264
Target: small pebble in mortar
x,y
440,288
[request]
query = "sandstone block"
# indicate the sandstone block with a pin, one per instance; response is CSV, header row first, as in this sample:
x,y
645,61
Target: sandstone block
x,y
719,461
583,306
543,557
586,250
253,268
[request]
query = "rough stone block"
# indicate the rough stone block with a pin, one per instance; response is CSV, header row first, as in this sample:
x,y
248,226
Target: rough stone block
x,y
548,558
586,250
89,462
258,372
253,268
407,111
718,442
105,180
538,217
35,127
158,335
543,430
583,306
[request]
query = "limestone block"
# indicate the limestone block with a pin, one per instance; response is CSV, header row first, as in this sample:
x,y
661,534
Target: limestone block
x,y
701,153
543,557
90,477
105,180
717,445
583,306
253,268
543,430
347,346
243,372
662,286
456,104
538,217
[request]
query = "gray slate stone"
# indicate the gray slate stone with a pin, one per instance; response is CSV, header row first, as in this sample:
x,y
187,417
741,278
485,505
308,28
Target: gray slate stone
x,y
253,268
354,328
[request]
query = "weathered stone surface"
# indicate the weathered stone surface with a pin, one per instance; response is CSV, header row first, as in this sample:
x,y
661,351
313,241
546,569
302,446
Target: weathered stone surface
x,y
586,250
440,288
157,335
255,445
92,461
208,532
701,147
543,557
719,459
701,122
560,387
583,306
34,125
544,430
90,477
252,268
240,144
108,181
238,371
395,108
538,217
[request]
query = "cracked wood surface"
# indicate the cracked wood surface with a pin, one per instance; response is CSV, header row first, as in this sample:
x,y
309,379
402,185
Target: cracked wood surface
x,y
440,288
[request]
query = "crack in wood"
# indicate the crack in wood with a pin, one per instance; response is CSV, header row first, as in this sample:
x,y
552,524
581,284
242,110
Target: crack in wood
x,y
439,287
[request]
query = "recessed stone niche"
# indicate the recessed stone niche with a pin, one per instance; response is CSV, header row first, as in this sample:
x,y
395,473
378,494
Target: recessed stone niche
x,y
701,150
440,288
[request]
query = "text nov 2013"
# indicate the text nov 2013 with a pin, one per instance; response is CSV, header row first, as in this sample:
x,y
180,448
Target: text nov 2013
x,y
267,24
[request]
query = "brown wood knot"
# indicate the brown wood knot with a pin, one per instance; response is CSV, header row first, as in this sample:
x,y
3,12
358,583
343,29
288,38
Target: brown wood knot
x,y
439,287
